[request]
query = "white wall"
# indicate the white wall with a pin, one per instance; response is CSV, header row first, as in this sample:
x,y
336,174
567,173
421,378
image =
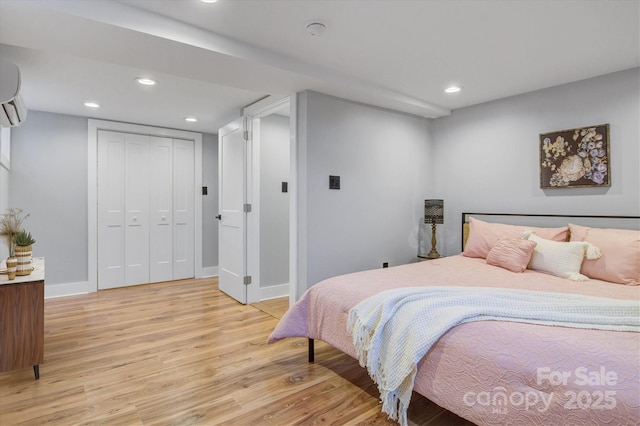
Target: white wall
x,y
487,155
383,159
274,204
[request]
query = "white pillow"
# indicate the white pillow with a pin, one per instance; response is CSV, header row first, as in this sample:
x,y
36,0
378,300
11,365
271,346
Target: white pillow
x,y
560,259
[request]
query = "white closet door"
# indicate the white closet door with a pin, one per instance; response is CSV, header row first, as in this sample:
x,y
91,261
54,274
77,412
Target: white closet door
x,y
161,209
146,198
111,229
136,201
183,214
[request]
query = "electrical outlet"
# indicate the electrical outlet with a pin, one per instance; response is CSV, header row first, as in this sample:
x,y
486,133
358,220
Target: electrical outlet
x,y
385,265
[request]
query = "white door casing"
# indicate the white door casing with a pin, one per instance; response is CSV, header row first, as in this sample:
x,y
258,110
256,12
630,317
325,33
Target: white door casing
x,y
232,219
297,178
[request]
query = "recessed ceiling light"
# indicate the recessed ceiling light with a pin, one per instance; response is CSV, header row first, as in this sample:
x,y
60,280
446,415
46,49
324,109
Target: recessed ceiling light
x,y
191,119
453,89
146,81
92,104
209,1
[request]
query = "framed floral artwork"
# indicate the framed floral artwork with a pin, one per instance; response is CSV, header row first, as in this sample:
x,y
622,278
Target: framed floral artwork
x,y
575,158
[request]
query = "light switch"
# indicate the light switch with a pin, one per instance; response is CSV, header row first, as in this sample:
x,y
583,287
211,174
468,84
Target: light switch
x,y
334,182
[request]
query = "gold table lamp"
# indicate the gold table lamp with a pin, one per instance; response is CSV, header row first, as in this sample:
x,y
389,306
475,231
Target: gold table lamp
x,y
433,214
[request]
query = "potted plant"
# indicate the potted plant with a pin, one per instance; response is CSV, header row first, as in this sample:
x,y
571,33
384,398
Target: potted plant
x,y
23,252
10,226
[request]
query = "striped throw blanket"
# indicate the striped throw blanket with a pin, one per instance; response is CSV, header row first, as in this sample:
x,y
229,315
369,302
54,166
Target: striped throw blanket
x,y
393,330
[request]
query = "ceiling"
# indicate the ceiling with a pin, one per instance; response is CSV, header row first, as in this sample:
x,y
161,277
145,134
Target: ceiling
x,y
211,60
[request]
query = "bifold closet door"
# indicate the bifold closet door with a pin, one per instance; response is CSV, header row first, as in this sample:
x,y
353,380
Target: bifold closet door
x,y
123,209
183,209
136,203
111,166
161,208
146,190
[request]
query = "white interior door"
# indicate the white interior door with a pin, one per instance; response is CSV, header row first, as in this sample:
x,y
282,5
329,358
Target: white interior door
x,y
111,228
110,176
161,210
123,209
136,201
183,212
146,209
232,220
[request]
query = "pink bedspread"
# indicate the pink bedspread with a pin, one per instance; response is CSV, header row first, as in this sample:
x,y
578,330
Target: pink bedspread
x,y
495,372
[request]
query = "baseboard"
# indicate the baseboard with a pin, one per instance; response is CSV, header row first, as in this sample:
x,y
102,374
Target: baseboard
x,y
209,271
66,289
274,291
70,289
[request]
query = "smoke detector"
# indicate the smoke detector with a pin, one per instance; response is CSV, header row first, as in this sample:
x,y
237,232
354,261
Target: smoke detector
x,y
316,28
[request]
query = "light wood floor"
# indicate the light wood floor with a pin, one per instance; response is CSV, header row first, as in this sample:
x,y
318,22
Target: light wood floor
x,y
274,307
184,353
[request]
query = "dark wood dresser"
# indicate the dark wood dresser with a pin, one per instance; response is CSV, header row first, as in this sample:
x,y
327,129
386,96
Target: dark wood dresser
x,y
22,320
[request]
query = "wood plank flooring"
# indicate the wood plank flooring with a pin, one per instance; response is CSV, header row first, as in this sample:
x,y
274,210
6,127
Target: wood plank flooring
x,y
183,353
274,307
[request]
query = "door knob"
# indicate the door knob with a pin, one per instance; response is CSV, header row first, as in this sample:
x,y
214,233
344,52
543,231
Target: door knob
x,y
219,217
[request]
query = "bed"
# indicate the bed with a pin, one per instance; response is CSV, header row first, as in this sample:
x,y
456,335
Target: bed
x,y
508,372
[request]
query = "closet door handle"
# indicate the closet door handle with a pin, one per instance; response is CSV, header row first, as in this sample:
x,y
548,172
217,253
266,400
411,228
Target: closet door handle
x,y
219,217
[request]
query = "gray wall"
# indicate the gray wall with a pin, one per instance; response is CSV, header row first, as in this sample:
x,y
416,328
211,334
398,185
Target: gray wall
x,y
49,181
210,202
487,155
483,157
274,204
383,159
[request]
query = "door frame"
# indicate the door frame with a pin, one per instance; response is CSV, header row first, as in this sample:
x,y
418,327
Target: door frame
x,y
92,189
262,108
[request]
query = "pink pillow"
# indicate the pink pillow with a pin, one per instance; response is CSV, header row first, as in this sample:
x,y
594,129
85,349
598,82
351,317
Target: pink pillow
x,y
620,249
484,235
511,254
577,232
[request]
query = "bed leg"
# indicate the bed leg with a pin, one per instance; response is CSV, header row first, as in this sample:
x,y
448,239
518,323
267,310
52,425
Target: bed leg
x,y
311,352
